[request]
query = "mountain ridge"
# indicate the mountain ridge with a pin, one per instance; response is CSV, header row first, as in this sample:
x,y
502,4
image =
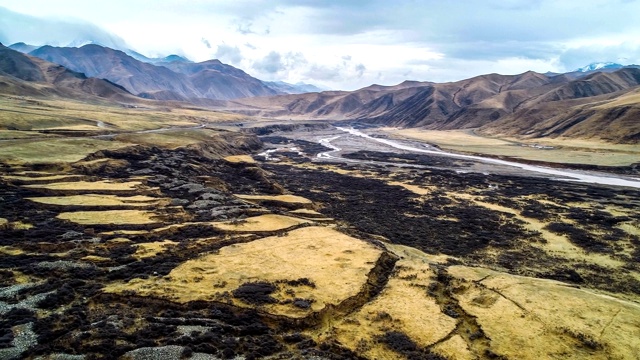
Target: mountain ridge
x,y
22,74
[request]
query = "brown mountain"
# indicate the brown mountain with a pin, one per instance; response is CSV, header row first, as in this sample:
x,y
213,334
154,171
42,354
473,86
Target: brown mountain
x,y
164,81
528,104
21,74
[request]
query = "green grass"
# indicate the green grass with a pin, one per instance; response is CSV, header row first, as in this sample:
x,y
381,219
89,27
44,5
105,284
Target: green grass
x,y
52,151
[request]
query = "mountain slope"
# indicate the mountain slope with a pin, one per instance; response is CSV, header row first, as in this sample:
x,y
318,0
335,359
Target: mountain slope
x,y
175,80
21,74
528,104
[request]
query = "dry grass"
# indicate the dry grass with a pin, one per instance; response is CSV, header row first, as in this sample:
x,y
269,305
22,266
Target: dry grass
x,y
413,188
556,245
290,199
19,225
95,258
402,306
11,251
336,263
306,212
115,217
103,185
268,222
98,200
152,249
170,139
240,159
455,348
39,178
569,151
15,134
40,114
548,319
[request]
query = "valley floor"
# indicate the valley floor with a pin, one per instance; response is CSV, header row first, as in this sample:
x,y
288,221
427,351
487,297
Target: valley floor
x,y
314,247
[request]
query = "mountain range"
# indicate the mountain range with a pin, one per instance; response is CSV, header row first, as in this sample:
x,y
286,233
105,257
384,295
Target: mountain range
x,y
596,104
25,75
170,78
604,105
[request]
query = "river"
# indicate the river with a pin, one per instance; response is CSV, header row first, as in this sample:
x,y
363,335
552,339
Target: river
x,y
557,174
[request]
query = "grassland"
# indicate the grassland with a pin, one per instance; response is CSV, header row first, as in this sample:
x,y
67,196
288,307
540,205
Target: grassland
x,y
288,199
53,151
268,222
335,266
25,114
98,200
102,185
115,217
565,151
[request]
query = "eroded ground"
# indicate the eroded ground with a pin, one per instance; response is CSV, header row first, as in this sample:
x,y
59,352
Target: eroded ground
x,y
183,251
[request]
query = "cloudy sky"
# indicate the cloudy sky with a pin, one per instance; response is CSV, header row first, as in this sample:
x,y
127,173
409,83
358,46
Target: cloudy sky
x,y
345,44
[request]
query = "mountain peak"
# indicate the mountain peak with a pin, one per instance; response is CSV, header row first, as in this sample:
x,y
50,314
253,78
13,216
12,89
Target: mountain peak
x,y
599,66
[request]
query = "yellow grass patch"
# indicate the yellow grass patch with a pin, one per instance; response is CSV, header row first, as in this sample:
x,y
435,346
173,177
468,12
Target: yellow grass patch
x,y
3,222
124,232
548,319
152,249
119,241
337,264
40,178
19,225
413,188
404,306
291,199
455,348
115,217
97,200
306,212
240,159
10,250
268,222
89,186
94,258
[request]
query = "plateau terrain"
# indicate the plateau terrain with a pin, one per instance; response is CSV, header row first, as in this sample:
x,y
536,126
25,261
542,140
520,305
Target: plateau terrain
x,y
492,218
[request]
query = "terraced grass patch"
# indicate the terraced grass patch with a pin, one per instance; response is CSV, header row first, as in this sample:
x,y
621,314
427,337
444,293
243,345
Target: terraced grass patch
x,y
98,200
102,185
110,217
289,199
268,222
240,159
317,266
40,178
